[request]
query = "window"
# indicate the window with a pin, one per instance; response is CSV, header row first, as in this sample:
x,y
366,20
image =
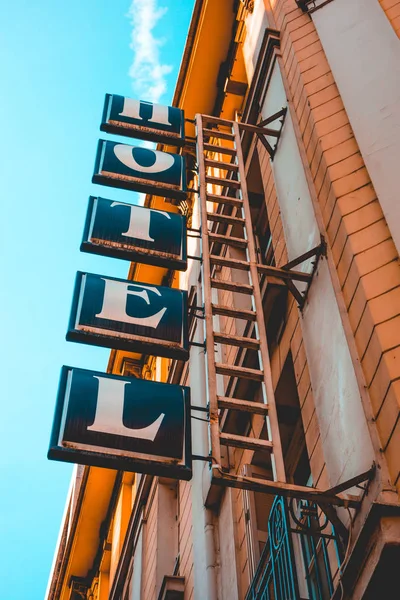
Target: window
x,y
298,557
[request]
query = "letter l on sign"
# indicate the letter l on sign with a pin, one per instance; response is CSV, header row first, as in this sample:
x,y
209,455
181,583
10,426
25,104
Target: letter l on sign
x,y
110,408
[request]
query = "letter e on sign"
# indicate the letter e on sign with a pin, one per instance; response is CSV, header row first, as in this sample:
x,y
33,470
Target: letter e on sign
x,y
129,315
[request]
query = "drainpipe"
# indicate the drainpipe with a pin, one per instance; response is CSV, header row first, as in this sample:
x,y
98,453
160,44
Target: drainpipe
x,y
212,591
202,518
203,521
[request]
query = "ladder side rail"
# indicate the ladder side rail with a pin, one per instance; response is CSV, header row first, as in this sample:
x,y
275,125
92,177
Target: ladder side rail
x,y
211,372
266,366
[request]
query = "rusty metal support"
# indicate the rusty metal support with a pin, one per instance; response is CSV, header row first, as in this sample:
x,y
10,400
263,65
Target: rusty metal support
x,y
211,372
265,366
288,490
301,297
261,131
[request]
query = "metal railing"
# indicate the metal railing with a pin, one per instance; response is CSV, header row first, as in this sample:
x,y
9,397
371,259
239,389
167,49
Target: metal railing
x,y
277,576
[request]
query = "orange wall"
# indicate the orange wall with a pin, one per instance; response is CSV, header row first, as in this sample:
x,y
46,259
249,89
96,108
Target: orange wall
x,y
392,9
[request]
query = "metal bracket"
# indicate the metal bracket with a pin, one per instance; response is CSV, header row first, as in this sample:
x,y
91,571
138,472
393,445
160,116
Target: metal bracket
x,y
262,131
200,408
197,345
317,252
322,498
195,258
203,458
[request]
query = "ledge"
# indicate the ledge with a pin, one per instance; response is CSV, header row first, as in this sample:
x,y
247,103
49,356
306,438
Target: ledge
x,y
372,568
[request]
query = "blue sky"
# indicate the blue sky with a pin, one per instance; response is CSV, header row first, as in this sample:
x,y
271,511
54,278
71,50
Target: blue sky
x,y
58,61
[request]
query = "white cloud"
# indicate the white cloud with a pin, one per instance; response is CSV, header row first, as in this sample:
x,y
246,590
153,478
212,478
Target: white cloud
x,y
147,71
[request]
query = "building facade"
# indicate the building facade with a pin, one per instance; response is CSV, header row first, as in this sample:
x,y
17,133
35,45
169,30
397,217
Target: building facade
x,y
294,323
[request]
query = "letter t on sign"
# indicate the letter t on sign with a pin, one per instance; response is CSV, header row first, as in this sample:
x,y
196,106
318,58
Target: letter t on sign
x,y
139,222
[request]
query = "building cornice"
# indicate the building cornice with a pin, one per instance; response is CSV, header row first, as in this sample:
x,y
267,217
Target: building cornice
x,y
187,52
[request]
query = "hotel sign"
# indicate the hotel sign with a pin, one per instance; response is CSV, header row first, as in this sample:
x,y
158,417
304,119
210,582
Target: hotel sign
x,y
128,315
122,423
143,120
140,169
135,233
108,420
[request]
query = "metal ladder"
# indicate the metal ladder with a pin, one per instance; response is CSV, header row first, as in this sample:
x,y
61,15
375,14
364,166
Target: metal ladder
x,y
233,212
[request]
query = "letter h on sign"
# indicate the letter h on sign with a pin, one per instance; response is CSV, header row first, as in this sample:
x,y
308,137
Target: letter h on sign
x,y
127,315
143,120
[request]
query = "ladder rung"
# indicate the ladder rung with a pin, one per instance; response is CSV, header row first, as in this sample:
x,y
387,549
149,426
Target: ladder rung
x,y
220,149
225,200
227,240
235,313
217,164
232,263
240,441
241,372
216,120
220,218
257,408
223,135
232,286
284,274
223,182
236,340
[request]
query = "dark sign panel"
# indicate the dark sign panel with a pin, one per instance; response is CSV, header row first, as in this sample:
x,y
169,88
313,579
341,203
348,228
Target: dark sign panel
x,y
122,423
128,315
141,169
135,233
143,120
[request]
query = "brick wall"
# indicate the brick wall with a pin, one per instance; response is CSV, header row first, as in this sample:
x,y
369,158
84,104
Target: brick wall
x,y
185,537
150,550
357,233
392,10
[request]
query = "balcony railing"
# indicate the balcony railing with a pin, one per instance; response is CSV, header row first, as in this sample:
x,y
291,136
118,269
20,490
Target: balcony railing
x,y
285,563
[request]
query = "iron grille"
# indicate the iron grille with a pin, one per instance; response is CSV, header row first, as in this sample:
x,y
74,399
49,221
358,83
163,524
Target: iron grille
x,y
277,576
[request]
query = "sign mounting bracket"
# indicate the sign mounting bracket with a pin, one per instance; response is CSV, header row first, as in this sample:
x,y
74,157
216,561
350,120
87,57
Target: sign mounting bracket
x,y
262,132
329,497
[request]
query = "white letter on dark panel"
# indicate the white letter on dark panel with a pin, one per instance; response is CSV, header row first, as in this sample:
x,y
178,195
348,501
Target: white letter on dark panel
x,y
163,161
139,223
160,113
110,409
114,303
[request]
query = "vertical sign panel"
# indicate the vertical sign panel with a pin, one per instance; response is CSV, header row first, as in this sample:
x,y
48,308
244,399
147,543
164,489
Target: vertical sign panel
x,y
141,169
143,120
122,423
128,315
135,233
